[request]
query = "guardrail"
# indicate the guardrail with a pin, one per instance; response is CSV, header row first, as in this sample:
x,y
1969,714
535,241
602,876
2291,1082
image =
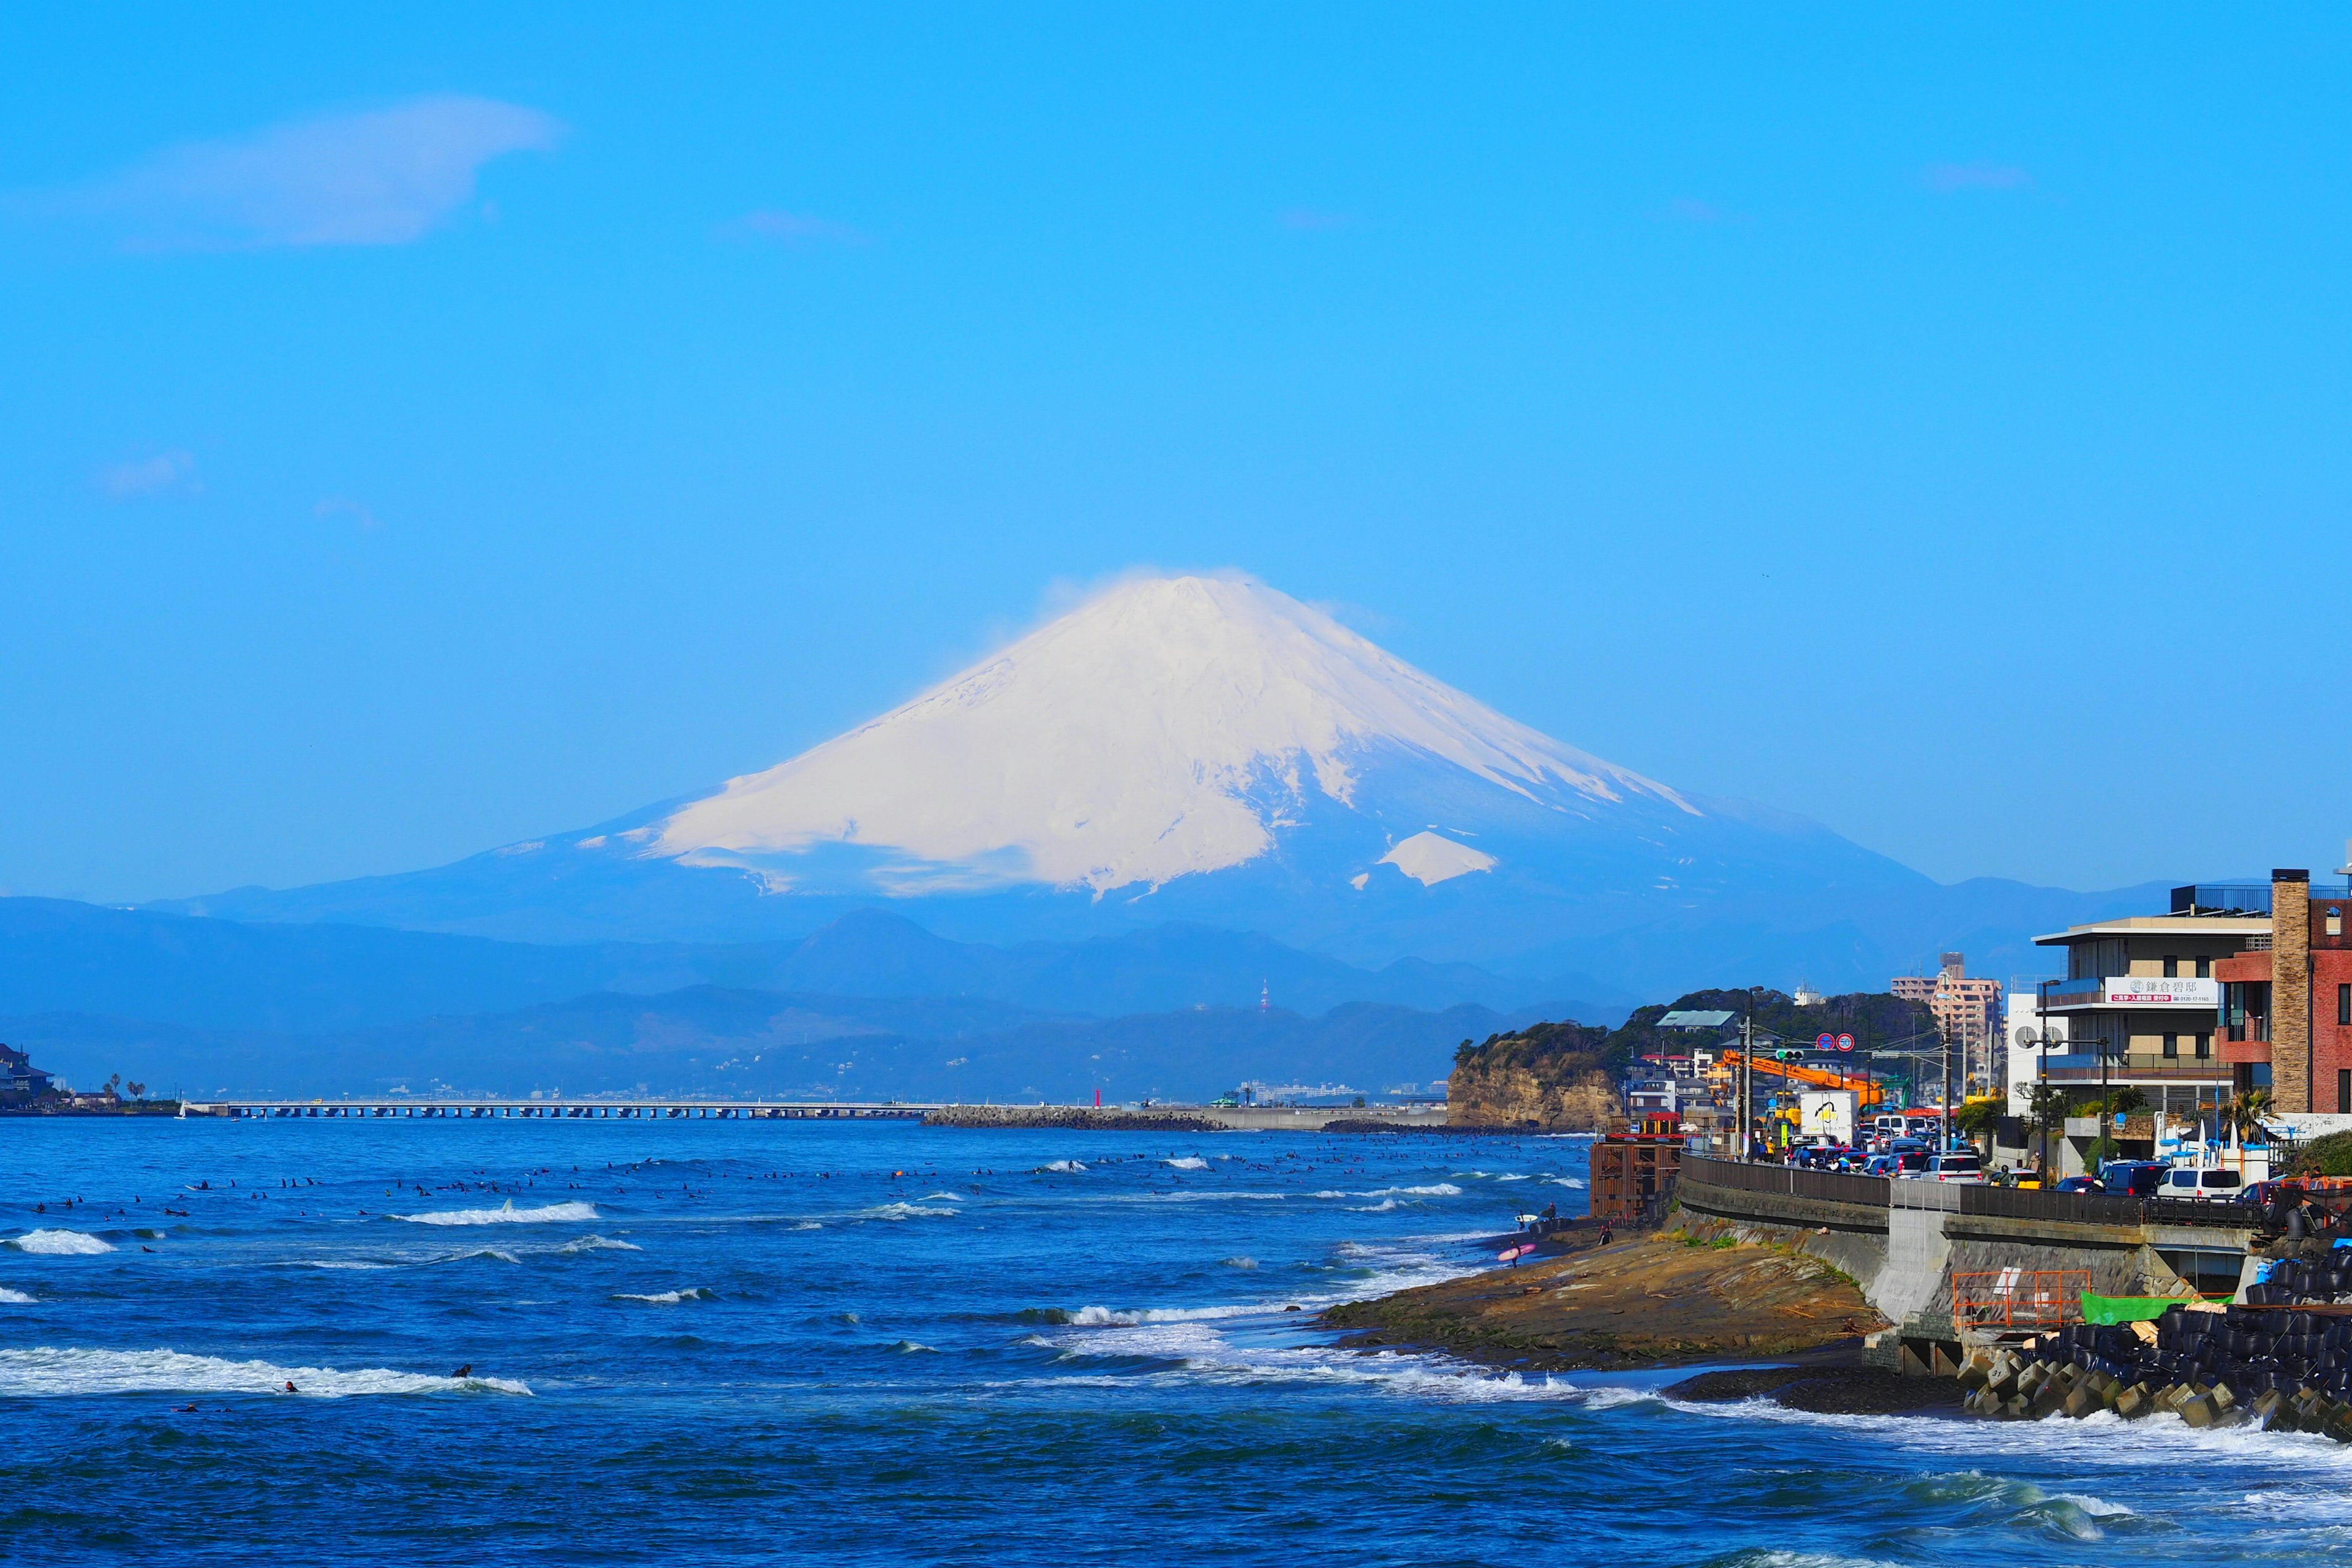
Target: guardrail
x,y
2004,1203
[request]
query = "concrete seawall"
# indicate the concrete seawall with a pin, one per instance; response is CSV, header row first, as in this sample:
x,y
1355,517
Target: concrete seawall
x,y
1905,1253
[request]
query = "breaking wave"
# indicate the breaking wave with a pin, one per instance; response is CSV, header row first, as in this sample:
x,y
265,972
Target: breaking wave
x,y
669,1297
13,1298
47,1373
599,1244
506,1215
1189,1163
1067,1167
61,1244
905,1211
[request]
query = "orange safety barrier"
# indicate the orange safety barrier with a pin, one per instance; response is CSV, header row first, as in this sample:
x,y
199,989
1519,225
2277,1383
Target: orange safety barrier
x,y
2020,1298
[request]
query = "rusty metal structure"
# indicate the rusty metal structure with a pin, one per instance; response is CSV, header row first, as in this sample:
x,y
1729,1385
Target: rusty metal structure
x,y
1633,1169
2010,1300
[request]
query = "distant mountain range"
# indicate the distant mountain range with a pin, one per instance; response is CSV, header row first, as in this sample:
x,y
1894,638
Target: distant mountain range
x,y
1189,795
872,1006
1206,751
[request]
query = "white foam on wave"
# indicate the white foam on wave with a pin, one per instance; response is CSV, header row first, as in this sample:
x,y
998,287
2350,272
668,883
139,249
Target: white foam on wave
x,y
1577,1182
1067,1167
669,1297
1108,1317
552,1214
1380,1207
943,1197
904,1211
1189,1163
495,1254
341,1263
1431,1190
60,1244
599,1244
1238,1262
50,1372
13,1298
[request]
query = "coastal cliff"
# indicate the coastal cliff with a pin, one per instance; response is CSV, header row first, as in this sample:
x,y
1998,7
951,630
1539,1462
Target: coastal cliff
x,y
1551,1076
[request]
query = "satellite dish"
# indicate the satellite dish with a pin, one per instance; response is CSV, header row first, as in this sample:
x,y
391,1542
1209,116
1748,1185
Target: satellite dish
x,y
2026,1036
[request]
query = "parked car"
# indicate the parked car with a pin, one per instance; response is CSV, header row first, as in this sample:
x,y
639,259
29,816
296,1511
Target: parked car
x,y
2141,1178
1963,1169
2079,1184
2182,1181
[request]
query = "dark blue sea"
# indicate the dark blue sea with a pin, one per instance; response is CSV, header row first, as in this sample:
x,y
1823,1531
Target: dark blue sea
x,y
794,1343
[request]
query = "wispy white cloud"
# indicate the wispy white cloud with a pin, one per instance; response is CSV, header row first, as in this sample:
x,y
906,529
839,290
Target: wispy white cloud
x,y
149,479
1307,220
1975,176
383,177
796,231
343,506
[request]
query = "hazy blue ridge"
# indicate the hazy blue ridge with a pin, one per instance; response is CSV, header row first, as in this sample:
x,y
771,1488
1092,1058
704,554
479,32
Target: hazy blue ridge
x,y
715,1040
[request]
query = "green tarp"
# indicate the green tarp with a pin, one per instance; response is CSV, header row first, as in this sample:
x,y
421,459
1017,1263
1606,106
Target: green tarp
x,y
2126,1309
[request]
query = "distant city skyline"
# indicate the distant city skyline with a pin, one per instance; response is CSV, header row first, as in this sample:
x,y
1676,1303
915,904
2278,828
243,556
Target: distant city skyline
x,y
423,436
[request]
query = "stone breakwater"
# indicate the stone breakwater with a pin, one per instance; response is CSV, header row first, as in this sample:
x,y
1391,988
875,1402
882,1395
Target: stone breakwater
x,y
1084,1118
2211,1368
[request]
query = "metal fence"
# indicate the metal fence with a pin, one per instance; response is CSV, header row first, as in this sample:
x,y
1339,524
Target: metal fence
x,y
2012,1299
2006,1202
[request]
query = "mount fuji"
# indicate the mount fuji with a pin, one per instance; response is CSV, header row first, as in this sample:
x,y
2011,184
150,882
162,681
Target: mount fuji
x,y
1207,750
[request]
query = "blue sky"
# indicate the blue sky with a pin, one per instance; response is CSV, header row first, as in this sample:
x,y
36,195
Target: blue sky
x,y
429,429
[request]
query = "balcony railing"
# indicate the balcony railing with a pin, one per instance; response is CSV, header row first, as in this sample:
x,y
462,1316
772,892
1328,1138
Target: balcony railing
x,y
2222,898
2136,1063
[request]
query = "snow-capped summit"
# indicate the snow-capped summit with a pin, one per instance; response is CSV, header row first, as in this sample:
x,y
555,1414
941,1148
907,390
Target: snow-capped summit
x,y
1170,726
1207,750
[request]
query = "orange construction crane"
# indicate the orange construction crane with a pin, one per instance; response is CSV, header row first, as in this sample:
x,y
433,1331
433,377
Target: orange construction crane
x,y
1865,1089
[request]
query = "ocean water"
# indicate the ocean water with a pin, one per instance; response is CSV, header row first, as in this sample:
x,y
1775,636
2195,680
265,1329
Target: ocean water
x,y
794,1343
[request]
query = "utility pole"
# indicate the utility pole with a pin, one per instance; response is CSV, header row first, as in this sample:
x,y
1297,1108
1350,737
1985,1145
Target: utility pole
x,y
1944,1039
2041,1072
1746,1070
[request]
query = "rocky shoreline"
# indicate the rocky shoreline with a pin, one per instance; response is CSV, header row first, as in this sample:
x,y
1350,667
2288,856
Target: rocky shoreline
x,y
1656,1299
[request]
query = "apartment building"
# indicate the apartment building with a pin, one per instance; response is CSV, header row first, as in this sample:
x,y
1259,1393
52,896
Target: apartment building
x,y
1967,1009
2235,987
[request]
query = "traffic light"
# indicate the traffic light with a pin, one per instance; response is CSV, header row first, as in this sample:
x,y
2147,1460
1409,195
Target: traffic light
x,y
1789,1056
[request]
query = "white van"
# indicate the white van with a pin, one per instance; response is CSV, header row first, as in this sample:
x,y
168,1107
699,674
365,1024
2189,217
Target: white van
x,y
1963,1168
2181,1182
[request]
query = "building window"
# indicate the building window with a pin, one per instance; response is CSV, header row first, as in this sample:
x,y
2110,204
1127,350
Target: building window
x,y
2172,1047
2334,920
2344,1091
2172,967
2204,968
2204,1047
2344,1006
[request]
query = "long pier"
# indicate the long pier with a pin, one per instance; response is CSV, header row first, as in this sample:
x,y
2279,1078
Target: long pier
x,y
406,1107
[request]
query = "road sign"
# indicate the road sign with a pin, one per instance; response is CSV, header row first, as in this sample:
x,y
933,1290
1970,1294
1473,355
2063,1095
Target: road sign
x,y
1825,1043
1845,1042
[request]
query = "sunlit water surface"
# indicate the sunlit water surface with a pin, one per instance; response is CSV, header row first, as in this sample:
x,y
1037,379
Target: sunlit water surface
x,y
769,1342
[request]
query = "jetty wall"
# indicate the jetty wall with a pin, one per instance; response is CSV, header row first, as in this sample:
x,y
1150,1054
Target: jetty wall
x,y
1903,1241
1192,1118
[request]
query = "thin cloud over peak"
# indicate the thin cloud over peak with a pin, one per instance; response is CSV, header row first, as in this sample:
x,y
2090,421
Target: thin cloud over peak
x,y
795,231
1976,177
149,479
381,176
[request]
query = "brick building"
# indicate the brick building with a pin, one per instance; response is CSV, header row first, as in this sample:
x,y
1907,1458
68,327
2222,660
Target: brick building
x,y
2287,1002
2238,987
